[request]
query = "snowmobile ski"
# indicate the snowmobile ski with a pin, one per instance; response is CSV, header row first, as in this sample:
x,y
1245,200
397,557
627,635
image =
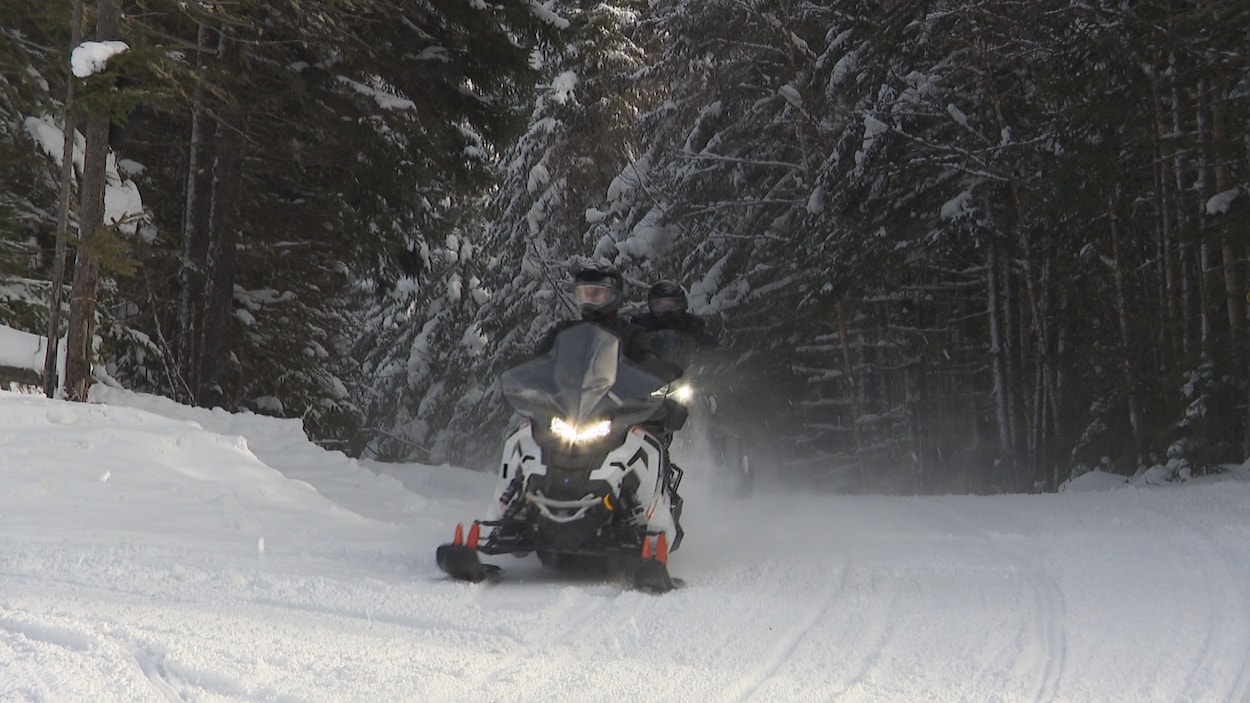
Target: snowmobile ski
x,y
463,564
459,559
649,572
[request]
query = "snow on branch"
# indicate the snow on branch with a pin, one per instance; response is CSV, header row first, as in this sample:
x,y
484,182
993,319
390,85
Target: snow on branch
x,y
1219,203
92,57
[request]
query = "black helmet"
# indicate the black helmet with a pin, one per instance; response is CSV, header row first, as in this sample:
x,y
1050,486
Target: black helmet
x,y
597,286
666,299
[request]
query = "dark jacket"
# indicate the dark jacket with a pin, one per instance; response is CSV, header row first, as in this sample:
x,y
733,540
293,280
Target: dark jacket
x,y
633,339
685,322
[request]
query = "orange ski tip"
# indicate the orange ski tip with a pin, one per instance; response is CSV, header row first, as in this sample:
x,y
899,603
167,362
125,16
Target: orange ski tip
x,y
646,547
475,534
459,538
661,548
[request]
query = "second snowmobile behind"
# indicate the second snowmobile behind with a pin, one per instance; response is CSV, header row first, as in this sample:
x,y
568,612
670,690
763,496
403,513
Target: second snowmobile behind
x,y
586,475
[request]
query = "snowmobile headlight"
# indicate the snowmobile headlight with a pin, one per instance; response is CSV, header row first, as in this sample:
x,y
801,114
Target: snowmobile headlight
x,y
586,433
681,394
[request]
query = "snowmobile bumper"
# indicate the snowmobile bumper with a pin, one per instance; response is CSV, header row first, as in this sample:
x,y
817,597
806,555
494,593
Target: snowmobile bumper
x,y
648,572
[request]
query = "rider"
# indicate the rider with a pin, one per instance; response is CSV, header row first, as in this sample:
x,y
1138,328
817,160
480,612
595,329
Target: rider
x,y
666,310
599,289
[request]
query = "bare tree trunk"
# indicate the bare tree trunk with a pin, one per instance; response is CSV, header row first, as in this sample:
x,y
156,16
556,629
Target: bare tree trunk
x,y
50,378
1127,365
1170,336
194,235
1045,421
998,354
852,383
80,333
1059,384
1206,266
1233,291
223,237
1193,302
1223,181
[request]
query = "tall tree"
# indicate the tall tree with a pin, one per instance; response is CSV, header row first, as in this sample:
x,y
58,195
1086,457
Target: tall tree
x,y
331,146
51,381
481,313
80,338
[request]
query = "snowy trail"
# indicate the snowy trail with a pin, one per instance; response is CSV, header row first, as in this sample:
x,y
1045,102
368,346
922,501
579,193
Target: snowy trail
x,y
222,559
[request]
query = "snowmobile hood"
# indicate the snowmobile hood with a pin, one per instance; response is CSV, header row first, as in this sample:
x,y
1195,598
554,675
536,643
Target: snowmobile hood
x,y
583,377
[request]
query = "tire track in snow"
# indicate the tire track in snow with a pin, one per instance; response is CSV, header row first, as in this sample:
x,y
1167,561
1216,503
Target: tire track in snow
x,y
789,642
1048,599
1049,625
1222,608
539,633
882,631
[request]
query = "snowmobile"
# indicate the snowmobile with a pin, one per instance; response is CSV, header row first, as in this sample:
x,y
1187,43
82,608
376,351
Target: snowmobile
x,y
586,476
728,470
726,466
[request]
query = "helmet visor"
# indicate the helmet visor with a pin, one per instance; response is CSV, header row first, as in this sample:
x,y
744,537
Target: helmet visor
x,y
665,305
592,293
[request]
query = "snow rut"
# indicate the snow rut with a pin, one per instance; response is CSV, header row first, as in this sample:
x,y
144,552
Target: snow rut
x,y
781,650
153,667
1224,596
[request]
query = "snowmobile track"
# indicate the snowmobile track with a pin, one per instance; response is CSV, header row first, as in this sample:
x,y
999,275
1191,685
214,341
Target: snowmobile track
x,y
555,628
1048,599
1042,644
1221,615
785,646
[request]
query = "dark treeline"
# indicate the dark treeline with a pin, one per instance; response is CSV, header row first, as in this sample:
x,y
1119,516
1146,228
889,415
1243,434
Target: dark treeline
x,y
950,246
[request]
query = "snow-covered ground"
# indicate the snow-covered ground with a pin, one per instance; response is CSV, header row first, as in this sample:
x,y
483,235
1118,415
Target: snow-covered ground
x,y
153,552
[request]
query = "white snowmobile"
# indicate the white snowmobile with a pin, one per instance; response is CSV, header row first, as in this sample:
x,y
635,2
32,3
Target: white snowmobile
x,y
587,475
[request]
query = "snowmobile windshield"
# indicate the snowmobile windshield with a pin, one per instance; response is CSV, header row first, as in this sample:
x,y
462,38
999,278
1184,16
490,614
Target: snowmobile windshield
x,y
584,377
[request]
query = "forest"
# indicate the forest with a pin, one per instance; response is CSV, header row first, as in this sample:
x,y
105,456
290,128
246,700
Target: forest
x,y
971,246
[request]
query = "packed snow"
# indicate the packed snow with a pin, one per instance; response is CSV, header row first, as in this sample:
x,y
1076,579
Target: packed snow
x,y
155,552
